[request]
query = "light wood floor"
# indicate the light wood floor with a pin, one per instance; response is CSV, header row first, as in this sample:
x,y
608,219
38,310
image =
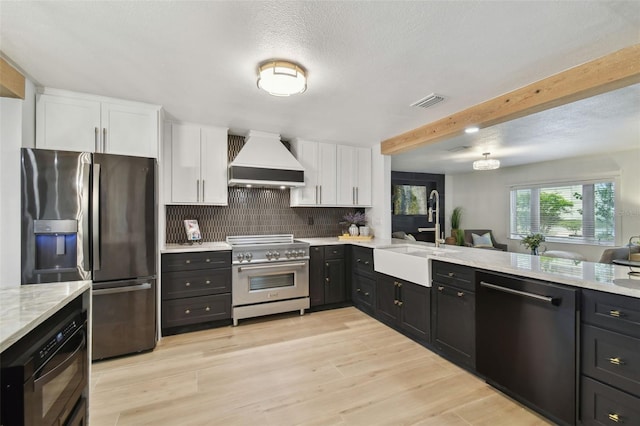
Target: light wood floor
x,y
336,367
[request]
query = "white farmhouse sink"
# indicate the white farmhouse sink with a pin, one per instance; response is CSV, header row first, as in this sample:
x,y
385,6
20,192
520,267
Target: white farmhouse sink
x,y
407,262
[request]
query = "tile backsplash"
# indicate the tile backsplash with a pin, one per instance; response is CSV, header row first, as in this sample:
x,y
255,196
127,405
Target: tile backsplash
x,y
253,211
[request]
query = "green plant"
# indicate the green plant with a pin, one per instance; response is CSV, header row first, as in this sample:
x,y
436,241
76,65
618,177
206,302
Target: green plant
x,y
532,241
456,218
459,237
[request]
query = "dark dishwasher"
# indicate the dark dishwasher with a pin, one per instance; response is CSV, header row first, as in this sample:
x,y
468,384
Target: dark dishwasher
x,y
526,342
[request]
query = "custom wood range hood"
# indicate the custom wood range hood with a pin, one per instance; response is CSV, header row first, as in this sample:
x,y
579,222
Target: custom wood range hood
x,y
614,71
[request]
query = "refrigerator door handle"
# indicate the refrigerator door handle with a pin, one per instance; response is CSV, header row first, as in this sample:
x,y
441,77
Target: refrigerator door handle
x,y
127,289
86,174
96,217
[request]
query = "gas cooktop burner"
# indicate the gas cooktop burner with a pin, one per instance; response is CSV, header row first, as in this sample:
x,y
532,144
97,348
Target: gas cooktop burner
x,y
267,248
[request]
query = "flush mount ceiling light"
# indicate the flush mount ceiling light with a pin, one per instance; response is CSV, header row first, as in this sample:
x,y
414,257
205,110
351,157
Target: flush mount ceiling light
x,y
486,164
282,78
473,129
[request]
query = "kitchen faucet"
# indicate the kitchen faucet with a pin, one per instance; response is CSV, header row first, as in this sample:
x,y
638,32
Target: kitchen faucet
x,y
434,195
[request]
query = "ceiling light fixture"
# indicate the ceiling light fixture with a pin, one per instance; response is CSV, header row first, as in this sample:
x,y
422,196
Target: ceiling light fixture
x,y
473,129
282,78
486,164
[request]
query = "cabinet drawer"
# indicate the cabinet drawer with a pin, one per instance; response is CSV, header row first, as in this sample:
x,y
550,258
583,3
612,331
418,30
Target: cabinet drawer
x,y
457,275
195,283
362,261
196,260
363,293
612,358
604,405
334,252
612,311
195,310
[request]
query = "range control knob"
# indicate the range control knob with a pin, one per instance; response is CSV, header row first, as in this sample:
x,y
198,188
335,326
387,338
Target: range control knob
x,y
268,255
301,253
248,256
276,254
240,257
287,254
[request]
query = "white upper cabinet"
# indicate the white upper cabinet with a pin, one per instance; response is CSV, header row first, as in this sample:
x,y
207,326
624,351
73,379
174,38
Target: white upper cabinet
x,y
78,122
196,157
319,162
354,176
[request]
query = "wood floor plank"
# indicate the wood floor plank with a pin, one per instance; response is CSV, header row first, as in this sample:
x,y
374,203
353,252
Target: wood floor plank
x,y
337,367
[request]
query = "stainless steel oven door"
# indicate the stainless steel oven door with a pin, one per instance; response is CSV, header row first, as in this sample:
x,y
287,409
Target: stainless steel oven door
x,y
267,282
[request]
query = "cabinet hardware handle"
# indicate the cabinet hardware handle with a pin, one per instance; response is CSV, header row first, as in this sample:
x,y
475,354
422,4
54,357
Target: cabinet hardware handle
x,y
207,309
616,313
460,294
187,261
451,274
320,193
400,285
97,137
198,190
395,283
207,282
104,139
358,290
203,193
440,288
335,252
366,294
187,284
208,260
326,264
616,361
399,304
353,194
357,195
395,302
366,262
187,311
358,260
614,417
327,279
317,195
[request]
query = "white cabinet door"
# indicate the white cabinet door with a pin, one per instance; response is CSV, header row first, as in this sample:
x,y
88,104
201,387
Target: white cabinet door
x,y
306,153
66,123
346,183
213,165
129,130
185,163
354,176
363,177
327,174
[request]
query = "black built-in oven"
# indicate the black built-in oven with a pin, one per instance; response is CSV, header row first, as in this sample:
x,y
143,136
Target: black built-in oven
x,y
44,375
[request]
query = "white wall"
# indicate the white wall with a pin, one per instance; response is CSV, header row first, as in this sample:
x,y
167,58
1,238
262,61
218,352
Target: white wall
x,y
379,215
484,196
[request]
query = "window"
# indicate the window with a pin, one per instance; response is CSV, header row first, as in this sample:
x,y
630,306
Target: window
x,y
581,212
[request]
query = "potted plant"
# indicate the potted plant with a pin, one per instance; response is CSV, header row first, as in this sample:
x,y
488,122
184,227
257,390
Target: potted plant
x,y
355,219
456,218
532,242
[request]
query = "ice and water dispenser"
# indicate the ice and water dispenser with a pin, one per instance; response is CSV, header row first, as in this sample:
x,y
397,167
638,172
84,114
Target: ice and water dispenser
x,y
56,245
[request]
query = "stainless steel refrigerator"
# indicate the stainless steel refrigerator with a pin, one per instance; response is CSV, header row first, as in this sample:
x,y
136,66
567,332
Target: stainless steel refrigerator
x,y
93,216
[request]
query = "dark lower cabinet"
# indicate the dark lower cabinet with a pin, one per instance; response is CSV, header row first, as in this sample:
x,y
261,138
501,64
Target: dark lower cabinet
x,y
196,290
327,279
610,367
363,279
405,306
454,309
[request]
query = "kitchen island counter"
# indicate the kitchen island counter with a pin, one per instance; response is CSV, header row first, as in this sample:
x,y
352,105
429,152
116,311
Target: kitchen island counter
x,y
25,307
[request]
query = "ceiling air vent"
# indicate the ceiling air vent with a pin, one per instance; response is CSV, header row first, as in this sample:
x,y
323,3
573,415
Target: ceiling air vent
x,y
428,101
459,148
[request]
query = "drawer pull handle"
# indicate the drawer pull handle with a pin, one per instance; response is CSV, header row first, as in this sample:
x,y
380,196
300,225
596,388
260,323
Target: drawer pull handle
x,y
451,274
399,304
326,264
366,262
615,313
207,309
187,261
335,252
207,282
327,279
208,260
187,311
358,260
395,283
395,302
187,284
366,294
614,417
616,361
440,288
460,294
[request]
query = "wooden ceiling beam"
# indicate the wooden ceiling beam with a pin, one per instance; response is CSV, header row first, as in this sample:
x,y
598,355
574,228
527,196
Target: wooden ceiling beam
x,y
11,81
610,72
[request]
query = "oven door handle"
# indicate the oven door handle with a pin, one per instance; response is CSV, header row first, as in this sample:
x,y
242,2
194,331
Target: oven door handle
x,y
278,265
65,363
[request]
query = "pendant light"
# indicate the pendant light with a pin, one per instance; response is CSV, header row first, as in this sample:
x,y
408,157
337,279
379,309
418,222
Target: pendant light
x,y
486,163
282,78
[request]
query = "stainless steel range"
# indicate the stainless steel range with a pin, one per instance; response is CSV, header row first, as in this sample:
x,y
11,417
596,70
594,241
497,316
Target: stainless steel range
x,y
270,275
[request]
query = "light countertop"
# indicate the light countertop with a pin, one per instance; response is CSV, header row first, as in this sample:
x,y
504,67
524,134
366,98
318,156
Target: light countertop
x,y
207,246
25,307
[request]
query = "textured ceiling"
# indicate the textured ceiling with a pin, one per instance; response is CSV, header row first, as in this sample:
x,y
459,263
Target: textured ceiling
x,y
367,61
